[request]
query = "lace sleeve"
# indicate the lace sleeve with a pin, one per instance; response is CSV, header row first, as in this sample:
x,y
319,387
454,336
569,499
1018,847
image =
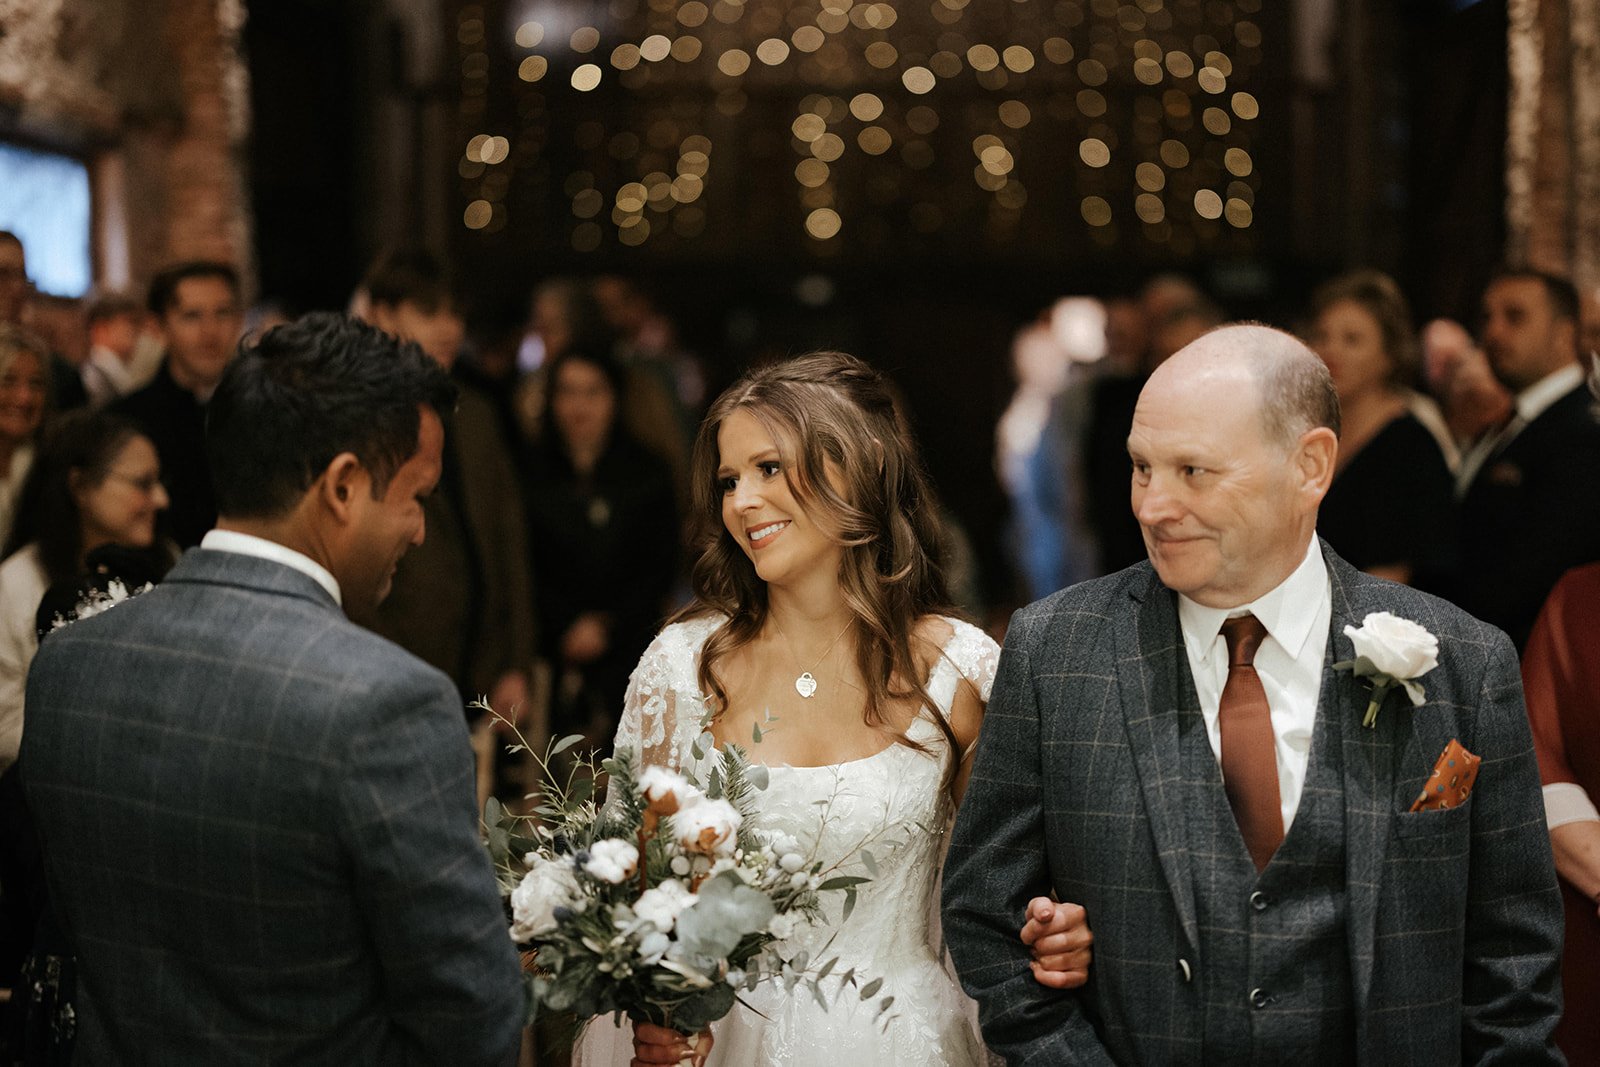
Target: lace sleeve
x,y
649,710
975,655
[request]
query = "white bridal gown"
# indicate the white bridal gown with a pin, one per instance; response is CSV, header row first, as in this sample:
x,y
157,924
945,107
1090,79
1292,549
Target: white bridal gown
x,y
894,805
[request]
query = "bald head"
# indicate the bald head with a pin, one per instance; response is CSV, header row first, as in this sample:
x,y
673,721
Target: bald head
x,y
1233,446
1292,385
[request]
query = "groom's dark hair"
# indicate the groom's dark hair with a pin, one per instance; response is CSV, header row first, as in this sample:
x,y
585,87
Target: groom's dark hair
x,y
306,392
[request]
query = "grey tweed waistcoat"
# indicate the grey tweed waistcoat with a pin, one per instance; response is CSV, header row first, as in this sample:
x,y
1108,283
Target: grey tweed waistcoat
x,y
1273,970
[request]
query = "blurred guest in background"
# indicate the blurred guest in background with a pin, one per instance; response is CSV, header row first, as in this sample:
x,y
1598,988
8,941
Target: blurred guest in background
x,y
65,387
97,482
1036,533
1389,511
24,396
566,316
461,600
646,337
114,324
603,525
1455,370
1529,511
1561,679
1080,326
1171,311
196,309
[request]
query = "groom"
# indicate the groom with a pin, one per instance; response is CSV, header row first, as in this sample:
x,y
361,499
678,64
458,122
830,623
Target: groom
x,y
258,818
1173,748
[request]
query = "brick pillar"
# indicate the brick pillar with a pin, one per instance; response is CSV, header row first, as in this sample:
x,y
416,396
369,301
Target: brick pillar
x,y
1553,150
207,207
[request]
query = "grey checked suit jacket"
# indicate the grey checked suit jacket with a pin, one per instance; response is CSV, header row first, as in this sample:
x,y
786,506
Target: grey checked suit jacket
x,y
1453,918
259,833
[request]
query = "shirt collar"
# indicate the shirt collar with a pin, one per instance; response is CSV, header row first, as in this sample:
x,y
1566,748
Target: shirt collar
x,y
244,544
1287,611
108,363
1538,397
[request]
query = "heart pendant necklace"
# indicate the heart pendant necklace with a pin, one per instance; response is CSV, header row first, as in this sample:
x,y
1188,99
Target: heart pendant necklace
x,y
806,683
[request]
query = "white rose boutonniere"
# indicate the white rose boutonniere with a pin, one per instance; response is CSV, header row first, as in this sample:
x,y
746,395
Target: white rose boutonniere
x,y
1392,652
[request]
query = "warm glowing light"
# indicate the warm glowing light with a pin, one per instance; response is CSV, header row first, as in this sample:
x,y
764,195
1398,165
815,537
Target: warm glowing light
x,y
811,173
918,80
478,214
586,77
982,57
772,51
1207,204
1150,177
1094,152
533,68
1015,114
1238,162
655,48
808,38
1096,212
734,62
823,223
1245,106
1149,208
1018,59
585,38
529,35
875,140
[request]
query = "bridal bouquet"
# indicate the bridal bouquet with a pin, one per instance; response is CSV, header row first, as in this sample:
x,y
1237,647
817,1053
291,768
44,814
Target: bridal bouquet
x,y
666,900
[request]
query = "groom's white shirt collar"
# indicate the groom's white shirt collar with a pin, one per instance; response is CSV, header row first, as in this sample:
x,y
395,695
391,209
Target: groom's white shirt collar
x,y
249,545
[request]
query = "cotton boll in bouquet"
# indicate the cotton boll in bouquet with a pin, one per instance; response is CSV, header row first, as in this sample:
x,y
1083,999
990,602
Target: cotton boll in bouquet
x,y
664,901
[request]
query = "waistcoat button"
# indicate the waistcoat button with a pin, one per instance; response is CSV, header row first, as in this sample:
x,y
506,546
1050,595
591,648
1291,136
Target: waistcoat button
x,y
1184,965
1260,998
1259,900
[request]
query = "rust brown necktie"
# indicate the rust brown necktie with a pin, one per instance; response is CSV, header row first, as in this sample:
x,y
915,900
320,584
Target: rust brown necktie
x,y
1249,756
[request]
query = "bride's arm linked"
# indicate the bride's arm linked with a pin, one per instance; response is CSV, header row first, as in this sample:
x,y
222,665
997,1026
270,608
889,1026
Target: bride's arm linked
x,y
997,873
1057,934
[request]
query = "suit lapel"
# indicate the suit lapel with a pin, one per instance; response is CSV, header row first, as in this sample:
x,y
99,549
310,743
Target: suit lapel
x,y
1151,665
1369,764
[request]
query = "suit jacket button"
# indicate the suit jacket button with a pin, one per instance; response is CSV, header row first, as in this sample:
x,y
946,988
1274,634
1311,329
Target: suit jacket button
x,y
1260,998
1259,900
1183,965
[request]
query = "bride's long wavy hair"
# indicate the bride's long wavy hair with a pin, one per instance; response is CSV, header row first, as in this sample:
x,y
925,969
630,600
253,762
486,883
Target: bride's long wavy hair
x,y
829,411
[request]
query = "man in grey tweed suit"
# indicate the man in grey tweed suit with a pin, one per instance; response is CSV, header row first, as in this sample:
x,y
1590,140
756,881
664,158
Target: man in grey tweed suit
x,y
258,819
1364,932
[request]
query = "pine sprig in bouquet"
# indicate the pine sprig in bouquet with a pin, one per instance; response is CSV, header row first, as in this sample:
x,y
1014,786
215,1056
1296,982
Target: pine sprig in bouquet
x,y
665,901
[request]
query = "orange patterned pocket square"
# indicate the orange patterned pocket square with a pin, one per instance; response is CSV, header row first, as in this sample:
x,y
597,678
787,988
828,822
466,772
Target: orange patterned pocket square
x,y
1452,780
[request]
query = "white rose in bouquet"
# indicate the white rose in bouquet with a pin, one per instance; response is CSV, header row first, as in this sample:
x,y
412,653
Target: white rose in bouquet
x,y
709,827
661,905
612,860
548,885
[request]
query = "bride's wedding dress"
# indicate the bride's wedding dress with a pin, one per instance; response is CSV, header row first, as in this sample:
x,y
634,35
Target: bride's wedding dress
x,y
893,805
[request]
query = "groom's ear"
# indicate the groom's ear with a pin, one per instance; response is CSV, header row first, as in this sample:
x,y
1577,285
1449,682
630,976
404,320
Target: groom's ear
x,y
338,490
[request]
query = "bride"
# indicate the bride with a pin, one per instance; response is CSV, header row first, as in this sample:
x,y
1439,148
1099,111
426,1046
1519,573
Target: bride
x,y
817,629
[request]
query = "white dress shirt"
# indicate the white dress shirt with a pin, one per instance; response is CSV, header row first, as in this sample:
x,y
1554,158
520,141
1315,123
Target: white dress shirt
x,y
249,545
106,377
1297,615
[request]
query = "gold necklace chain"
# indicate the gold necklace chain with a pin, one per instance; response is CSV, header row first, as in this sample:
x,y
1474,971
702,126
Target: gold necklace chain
x,y
806,683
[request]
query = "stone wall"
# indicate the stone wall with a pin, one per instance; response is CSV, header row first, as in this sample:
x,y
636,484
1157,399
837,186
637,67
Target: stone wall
x,y
152,94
